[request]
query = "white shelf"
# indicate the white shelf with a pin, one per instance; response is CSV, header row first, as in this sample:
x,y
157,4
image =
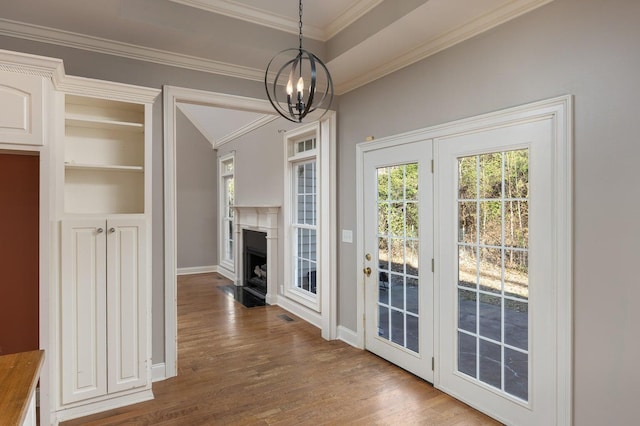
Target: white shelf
x,y
103,167
104,156
72,120
103,191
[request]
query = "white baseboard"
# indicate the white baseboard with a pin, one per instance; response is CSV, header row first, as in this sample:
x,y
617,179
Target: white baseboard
x,y
206,270
348,336
104,405
158,372
197,270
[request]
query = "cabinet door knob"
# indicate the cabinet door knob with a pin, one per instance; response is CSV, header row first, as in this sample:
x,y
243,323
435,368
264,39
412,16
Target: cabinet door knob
x,y
100,230
112,230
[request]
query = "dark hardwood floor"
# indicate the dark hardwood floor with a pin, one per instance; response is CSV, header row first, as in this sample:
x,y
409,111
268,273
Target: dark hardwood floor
x,y
251,366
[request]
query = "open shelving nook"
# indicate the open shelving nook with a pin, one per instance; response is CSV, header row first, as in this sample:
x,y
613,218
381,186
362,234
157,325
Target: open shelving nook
x,y
104,156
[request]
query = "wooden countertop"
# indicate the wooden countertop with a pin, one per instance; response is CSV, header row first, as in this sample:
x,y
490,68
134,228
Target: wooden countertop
x,y
18,378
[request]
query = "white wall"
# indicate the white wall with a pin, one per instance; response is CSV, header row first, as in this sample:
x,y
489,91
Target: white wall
x,y
588,48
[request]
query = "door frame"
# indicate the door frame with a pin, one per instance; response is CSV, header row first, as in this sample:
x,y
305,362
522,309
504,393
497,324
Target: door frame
x,y
560,111
173,95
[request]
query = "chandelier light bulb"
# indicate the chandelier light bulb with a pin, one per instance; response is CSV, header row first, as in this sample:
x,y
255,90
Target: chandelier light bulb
x,y
289,87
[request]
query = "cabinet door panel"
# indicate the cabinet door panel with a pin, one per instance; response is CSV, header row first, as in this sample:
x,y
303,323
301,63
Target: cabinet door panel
x,y
21,108
83,315
126,304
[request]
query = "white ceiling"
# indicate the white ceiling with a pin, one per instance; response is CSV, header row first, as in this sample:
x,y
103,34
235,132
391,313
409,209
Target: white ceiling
x,y
167,32
220,125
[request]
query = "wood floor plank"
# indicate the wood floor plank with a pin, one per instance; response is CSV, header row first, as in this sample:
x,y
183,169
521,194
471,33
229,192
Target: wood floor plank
x,y
248,366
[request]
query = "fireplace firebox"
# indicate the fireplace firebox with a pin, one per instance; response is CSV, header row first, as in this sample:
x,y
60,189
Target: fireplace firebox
x,y
255,272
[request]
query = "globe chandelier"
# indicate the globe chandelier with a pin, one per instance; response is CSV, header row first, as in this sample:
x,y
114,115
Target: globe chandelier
x,y
298,83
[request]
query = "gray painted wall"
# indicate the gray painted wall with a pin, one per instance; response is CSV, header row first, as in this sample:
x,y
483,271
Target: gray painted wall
x,y
587,48
157,238
197,197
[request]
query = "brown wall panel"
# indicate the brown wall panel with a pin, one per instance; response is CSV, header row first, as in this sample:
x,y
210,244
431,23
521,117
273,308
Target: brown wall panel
x,y
19,252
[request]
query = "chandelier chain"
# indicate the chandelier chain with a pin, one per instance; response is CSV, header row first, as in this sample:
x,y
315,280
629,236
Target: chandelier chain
x,y
300,23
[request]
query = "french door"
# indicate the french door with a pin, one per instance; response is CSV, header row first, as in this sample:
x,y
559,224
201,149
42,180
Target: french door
x,y
497,296
491,217
398,246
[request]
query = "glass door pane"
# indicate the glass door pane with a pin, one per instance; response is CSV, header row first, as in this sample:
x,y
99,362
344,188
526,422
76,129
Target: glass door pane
x,y
398,289
493,278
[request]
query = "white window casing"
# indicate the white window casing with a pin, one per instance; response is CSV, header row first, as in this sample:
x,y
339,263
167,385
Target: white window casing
x,y
226,172
303,211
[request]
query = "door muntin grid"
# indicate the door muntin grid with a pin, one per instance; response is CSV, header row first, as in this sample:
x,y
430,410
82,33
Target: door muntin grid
x,y
398,269
493,278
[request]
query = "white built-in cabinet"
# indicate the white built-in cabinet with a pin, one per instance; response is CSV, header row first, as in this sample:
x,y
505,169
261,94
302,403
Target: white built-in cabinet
x,y
94,142
104,300
104,170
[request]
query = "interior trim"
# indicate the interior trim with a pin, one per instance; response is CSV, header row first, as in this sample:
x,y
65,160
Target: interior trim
x,y
171,97
283,23
73,40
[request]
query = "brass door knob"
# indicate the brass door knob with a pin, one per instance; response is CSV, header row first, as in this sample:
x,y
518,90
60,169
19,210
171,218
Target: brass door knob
x,y
367,271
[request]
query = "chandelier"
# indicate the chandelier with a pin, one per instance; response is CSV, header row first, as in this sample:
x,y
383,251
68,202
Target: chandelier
x,y
298,83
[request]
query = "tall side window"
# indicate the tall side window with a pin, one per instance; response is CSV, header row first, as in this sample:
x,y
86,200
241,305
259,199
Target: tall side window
x,y
303,220
227,197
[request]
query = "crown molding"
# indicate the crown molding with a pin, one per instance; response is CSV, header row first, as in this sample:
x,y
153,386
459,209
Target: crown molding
x,y
100,45
349,16
477,26
94,44
262,17
254,15
25,63
107,90
53,68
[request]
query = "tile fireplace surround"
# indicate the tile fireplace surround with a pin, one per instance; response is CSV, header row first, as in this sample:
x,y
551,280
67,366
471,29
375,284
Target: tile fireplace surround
x,y
263,219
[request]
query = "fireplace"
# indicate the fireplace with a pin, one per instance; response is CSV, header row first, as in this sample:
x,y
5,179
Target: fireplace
x,y
256,231
254,258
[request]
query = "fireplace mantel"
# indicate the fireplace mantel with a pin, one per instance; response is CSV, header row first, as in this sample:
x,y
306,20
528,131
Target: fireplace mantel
x,y
253,217
264,219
